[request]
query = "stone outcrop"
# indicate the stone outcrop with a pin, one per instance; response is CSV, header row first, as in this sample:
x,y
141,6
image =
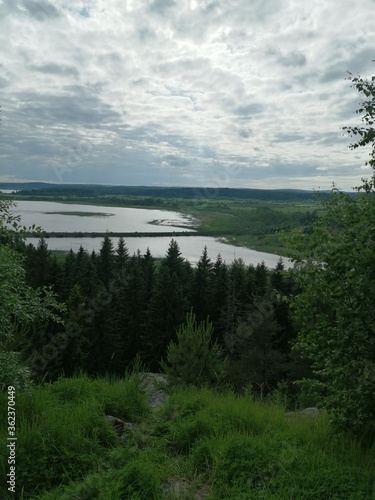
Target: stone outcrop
x,y
119,426
153,384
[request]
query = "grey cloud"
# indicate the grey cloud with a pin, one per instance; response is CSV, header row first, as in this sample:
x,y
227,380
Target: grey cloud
x,y
176,160
209,8
146,34
333,74
188,65
3,82
161,6
248,110
293,59
288,137
75,109
244,133
56,69
360,59
356,63
40,10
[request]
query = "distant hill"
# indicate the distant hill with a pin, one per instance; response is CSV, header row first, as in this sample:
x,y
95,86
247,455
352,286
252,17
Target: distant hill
x,y
46,189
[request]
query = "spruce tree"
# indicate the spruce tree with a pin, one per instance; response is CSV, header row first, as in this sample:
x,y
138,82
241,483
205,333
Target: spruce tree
x,y
168,306
121,256
105,261
202,287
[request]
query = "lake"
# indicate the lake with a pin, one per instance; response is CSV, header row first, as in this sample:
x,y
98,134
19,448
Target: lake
x,y
60,217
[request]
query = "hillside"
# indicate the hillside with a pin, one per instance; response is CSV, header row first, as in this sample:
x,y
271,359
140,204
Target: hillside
x,y
199,444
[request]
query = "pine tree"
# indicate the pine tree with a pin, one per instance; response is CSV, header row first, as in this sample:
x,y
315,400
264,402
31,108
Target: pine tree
x,y
194,358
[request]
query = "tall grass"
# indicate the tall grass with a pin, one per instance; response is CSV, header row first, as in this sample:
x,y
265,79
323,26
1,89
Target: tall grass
x,y
200,444
61,430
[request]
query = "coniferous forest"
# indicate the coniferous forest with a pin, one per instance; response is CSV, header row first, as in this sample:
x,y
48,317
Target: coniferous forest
x,y
119,306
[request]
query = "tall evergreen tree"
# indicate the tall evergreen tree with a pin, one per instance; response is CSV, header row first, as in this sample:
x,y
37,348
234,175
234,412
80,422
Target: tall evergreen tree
x,y
202,287
40,267
69,275
261,276
56,276
255,359
121,256
219,290
168,306
85,273
105,261
237,302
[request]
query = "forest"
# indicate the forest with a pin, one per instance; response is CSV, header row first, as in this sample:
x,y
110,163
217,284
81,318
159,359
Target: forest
x,y
118,306
242,350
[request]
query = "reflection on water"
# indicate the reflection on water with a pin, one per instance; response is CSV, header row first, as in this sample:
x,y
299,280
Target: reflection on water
x,y
191,248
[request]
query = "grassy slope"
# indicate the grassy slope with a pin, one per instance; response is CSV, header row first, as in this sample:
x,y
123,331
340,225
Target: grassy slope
x,y
200,444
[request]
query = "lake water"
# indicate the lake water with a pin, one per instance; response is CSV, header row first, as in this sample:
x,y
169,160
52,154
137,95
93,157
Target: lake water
x,y
191,248
49,216
60,217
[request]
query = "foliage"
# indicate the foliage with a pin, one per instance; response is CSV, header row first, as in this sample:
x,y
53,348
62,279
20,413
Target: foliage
x,y
366,133
11,229
335,306
21,307
194,358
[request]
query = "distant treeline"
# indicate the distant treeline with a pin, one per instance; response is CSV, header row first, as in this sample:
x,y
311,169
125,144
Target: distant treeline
x,y
45,189
90,234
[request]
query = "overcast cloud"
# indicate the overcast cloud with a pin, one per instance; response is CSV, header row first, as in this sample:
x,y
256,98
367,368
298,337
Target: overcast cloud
x,y
248,93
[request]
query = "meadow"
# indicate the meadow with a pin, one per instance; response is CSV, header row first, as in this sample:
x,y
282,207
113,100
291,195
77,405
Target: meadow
x,y
199,444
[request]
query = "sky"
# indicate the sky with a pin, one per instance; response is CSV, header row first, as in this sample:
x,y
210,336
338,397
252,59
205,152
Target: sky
x,y
210,93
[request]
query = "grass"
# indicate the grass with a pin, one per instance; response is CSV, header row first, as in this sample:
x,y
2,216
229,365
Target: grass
x,y
200,444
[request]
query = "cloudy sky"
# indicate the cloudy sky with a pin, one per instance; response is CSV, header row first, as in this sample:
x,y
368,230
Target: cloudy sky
x,y
248,93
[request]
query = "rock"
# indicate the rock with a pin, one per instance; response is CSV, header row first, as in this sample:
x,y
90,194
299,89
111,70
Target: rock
x,y
157,398
119,426
313,411
307,412
150,383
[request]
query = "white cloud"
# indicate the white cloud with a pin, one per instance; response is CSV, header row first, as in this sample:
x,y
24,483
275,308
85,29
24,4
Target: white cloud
x,y
133,92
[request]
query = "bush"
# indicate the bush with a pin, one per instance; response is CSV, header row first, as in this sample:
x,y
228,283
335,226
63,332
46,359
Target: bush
x,y
195,359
